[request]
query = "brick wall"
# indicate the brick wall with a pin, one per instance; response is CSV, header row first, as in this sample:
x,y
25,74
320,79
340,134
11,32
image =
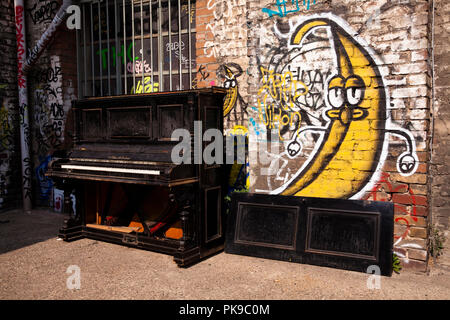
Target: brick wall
x,y
385,158
440,186
10,188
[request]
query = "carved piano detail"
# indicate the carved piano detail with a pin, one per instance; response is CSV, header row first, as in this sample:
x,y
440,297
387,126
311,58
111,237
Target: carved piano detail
x,y
128,191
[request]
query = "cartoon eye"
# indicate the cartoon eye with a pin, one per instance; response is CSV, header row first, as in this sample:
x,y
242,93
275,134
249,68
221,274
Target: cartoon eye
x,y
336,91
227,84
233,84
336,97
354,95
354,87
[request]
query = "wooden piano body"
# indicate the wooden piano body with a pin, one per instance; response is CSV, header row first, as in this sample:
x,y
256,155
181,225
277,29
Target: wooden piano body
x,y
128,190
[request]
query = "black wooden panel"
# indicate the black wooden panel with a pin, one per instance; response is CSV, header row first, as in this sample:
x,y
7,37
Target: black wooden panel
x,y
92,124
129,122
266,225
170,117
346,234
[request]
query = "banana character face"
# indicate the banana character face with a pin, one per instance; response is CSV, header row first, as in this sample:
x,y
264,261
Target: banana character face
x,y
345,97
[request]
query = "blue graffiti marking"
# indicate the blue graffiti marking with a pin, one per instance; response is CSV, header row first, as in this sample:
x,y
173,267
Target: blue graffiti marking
x,y
45,184
282,11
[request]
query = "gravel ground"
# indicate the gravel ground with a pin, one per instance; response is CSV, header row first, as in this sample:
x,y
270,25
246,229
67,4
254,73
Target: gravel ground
x,y
33,265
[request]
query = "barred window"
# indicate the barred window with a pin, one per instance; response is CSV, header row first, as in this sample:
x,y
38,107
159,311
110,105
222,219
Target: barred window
x,y
132,47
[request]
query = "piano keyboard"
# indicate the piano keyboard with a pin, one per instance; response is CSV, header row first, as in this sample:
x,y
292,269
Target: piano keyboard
x,y
110,169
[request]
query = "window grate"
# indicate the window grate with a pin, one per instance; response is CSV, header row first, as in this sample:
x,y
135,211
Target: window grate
x,y
138,46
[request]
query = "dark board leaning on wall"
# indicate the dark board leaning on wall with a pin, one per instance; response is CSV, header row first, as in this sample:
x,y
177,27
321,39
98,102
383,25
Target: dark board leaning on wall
x,y
345,234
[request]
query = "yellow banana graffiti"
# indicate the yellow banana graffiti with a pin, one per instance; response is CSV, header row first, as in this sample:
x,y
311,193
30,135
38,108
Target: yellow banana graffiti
x,y
352,143
232,91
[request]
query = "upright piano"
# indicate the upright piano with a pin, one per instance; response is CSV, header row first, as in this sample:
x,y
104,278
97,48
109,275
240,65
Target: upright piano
x,y
127,188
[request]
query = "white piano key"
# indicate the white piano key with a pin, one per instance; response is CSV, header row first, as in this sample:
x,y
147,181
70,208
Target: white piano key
x,y
110,169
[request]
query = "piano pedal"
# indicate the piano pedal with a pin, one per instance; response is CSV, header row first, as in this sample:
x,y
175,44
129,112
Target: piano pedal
x,y
130,239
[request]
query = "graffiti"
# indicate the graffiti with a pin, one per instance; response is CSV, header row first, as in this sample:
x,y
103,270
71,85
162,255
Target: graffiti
x,y
26,178
49,112
335,116
44,12
148,86
45,184
226,28
6,130
185,8
284,89
383,190
176,48
385,187
104,53
20,38
282,11
139,67
204,75
174,45
229,73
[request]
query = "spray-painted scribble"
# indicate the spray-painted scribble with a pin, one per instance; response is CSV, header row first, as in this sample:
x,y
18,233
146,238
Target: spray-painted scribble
x,y
287,6
286,90
44,13
116,55
226,28
45,184
146,87
139,67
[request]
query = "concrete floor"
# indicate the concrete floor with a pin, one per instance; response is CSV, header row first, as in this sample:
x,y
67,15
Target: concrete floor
x,y
33,265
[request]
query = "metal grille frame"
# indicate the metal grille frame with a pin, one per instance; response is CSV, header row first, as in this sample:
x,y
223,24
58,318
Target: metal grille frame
x,y
159,41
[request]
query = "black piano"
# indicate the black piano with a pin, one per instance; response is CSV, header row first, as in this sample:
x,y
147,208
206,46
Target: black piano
x,y
127,188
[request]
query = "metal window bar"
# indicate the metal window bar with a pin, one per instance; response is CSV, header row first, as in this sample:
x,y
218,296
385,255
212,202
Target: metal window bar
x,y
109,48
142,50
117,61
100,66
170,45
189,43
151,42
92,52
160,49
124,48
180,74
132,45
164,37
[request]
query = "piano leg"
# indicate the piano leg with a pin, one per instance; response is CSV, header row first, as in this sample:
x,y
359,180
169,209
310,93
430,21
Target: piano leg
x,y
184,216
67,208
72,228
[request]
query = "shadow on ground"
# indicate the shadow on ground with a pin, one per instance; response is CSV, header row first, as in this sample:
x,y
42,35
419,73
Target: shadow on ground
x,y
19,229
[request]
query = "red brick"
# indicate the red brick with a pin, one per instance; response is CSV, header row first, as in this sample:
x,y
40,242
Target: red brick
x,y
401,209
420,200
419,211
402,198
